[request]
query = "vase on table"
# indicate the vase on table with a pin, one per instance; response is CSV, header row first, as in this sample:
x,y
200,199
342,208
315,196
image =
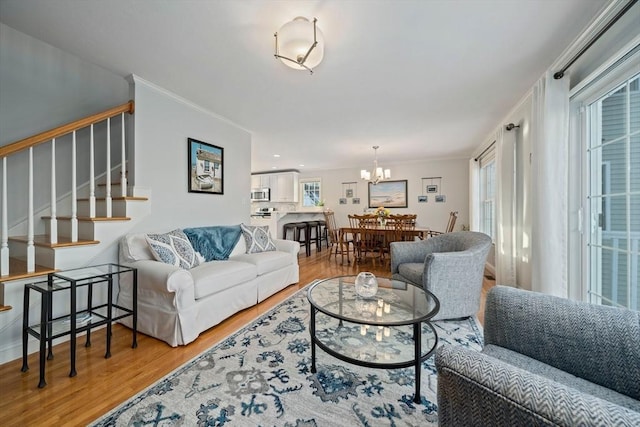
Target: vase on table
x,y
366,284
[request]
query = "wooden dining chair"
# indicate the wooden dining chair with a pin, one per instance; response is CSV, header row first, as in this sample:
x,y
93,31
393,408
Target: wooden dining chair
x,y
452,222
337,246
367,241
397,226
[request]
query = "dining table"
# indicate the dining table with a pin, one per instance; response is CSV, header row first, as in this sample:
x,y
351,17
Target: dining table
x,y
382,230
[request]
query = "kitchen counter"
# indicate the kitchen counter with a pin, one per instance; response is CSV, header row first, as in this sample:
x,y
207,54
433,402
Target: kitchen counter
x,y
278,219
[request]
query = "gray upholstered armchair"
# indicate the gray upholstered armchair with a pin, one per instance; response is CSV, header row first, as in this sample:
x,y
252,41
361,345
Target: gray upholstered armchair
x,y
547,361
450,265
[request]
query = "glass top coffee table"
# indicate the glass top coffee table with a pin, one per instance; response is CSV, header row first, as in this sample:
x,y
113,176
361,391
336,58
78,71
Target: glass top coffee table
x,y
389,330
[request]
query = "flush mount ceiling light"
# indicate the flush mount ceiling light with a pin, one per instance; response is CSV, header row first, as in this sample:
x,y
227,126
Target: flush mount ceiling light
x,y
300,44
377,174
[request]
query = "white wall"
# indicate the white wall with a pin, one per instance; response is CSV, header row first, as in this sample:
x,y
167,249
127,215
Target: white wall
x,y
455,186
163,122
43,87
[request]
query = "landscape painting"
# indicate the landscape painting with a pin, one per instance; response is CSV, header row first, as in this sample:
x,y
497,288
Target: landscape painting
x,y
388,194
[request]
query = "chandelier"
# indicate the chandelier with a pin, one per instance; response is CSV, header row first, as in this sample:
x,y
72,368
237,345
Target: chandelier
x,y
377,174
300,44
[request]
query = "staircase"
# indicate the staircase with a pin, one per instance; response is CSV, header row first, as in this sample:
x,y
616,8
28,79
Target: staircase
x,y
66,231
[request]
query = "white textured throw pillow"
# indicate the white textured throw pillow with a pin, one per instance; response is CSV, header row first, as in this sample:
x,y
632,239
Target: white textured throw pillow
x,y
173,248
257,238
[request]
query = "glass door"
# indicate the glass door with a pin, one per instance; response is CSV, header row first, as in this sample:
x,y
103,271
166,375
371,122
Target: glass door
x,y
613,199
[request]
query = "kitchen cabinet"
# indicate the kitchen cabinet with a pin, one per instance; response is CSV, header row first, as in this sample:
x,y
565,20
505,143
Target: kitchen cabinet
x,y
261,181
283,185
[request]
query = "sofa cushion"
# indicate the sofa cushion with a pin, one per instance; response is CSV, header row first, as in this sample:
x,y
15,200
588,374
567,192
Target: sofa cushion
x,y
173,248
214,243
266,262
536,367
412,272
215,276
257,238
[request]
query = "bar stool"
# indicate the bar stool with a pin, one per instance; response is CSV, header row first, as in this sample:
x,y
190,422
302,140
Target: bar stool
x,y
324,232
300,234
315,234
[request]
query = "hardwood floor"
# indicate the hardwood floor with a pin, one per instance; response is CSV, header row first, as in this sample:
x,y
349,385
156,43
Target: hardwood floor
x,y
102,384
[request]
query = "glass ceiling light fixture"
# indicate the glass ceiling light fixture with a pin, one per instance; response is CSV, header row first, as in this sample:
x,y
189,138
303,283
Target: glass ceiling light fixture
x,y
377,172
300,44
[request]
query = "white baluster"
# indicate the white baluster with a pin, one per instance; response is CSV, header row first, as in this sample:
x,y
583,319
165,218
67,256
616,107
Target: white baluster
x,y
123,165
53,222
74,195
31,250
4,249
107,200
92,180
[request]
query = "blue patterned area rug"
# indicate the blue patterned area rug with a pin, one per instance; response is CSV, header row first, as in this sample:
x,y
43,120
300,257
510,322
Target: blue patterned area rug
x,y
261,376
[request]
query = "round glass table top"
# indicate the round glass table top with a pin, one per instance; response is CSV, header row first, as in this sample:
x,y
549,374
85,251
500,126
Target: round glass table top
x,y
395,303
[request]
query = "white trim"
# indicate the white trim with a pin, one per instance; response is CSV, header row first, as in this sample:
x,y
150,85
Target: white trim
x,y
133,79
596,24
607,67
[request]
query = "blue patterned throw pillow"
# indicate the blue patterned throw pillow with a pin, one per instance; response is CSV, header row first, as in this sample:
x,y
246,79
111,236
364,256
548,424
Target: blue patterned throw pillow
x,y
257,238
173,248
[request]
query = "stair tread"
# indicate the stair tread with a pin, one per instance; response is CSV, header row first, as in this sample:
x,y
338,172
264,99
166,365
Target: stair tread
x,y
18,270
117,198
95,219
63,242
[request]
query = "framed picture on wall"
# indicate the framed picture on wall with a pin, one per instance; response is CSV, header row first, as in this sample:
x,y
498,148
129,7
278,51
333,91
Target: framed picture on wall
x,y
389,194
205,167
432,188
342,200
355,200
441,199
422,199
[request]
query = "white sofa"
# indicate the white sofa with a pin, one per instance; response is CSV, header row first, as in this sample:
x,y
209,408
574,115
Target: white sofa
x,y
176,305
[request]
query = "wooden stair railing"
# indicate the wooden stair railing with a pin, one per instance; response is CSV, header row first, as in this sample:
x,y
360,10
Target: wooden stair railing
x,y
27,144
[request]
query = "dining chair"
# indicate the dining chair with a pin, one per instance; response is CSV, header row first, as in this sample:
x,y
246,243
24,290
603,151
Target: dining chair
x,y
367,241
397,226
452,222
336,245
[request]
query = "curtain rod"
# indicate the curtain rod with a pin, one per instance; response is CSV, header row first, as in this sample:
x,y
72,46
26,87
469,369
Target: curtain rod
x,y
560,74
485,150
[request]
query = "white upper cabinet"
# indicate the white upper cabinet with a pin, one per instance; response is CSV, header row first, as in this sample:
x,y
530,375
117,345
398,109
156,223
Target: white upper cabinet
x,y
261,181
283,185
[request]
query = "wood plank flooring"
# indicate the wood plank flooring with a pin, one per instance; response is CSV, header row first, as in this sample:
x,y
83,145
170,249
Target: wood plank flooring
x,y
102,384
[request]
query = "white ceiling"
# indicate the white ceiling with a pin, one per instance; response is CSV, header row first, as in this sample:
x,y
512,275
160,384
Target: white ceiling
x,y
420,78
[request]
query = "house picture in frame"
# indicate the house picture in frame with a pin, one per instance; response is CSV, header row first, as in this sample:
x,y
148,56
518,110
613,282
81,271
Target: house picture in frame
x,y
205,167
389,194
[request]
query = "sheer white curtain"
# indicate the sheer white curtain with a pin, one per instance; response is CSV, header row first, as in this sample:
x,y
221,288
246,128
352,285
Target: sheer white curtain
x,y
505,208
550,163
474,195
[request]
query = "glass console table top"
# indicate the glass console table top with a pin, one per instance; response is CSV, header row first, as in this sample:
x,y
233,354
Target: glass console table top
x,y
92,272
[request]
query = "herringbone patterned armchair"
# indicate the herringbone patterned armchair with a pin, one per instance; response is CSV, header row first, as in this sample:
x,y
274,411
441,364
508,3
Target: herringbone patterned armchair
x,y
547,361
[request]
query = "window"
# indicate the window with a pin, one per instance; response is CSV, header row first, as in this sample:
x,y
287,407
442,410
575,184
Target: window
x,y
612,153
487,194
311,192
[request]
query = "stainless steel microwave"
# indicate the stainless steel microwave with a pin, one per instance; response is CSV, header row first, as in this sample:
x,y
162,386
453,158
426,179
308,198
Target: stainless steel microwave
x,y
260,195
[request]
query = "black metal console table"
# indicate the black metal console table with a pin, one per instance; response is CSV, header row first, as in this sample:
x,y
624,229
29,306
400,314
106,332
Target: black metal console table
x,y
90,317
